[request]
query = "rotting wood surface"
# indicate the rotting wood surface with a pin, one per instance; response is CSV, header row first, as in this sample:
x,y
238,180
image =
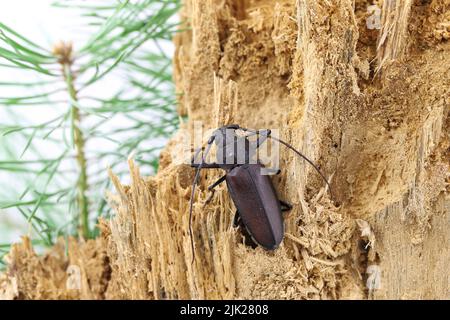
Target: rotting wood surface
x,y
370,106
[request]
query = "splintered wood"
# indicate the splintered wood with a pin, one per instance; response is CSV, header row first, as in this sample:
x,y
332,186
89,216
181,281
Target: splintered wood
x,y
393,35
368,104
82,274
151,243
150,246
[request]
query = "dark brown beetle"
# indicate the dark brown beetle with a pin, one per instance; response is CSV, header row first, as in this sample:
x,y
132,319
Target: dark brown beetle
x,y
258,208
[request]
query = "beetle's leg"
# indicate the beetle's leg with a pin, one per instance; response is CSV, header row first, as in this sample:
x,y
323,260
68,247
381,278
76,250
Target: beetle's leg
x,y
237,219
206,165
215,184
284,205
238,223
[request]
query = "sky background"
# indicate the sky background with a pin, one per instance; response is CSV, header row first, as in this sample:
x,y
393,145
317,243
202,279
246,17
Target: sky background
x,y
45,25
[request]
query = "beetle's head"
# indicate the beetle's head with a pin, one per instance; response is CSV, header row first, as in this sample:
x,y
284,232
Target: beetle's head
x,y
229,144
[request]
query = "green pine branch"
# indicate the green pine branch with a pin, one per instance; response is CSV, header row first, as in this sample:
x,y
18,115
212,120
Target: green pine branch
x,y
59,178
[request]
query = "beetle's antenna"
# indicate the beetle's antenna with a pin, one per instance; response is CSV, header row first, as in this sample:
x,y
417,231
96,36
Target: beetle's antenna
x,y
268,135
197,175
197,152
307,160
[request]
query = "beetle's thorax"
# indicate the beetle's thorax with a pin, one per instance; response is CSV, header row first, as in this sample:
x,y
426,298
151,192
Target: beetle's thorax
x,y
232,149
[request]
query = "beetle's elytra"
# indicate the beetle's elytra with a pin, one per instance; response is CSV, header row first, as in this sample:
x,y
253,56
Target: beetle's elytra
x,y
258,208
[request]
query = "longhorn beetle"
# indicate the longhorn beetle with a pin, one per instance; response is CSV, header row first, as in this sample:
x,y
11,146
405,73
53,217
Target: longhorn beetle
x,y
253,194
